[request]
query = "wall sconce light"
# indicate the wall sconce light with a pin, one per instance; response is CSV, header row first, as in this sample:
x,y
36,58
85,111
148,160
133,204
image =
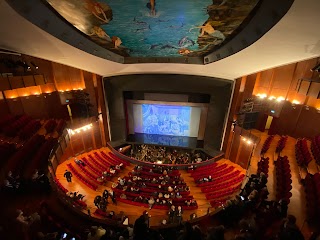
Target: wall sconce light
x,y
34,65
261,95
78,130
280,99
307,107
318,110
272,98
295,102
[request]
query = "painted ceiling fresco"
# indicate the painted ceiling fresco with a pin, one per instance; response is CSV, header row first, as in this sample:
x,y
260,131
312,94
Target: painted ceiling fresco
x,y
156,28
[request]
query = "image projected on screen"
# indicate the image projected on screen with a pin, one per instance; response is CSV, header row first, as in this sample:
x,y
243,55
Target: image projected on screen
x,y
166,120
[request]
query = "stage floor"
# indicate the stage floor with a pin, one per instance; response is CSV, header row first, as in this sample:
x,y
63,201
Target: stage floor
x,y
133,212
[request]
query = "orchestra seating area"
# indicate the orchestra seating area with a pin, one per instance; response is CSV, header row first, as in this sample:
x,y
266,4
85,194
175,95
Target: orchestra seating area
x,y
162,184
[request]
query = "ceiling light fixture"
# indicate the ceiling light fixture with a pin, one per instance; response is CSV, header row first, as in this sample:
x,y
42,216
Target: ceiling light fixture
x,y
34,65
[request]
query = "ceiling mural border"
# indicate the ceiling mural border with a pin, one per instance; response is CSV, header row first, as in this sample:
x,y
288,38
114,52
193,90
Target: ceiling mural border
x,y
266,14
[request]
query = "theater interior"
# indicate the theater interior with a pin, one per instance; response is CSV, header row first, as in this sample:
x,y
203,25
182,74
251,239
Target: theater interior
x,y
165,120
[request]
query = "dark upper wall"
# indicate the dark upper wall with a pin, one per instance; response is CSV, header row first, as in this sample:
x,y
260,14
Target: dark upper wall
x,y
218,89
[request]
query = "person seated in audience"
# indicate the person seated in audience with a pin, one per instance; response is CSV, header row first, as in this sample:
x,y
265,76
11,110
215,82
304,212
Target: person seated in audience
x,y
178,195
169,202
193,202
163,182
123,196
105,194
165,172
167,178
154,181
112,171
209,178
160,195
166,196
79,162
187,202
36,176
170,189
164,202
172,195
114,185
121,181
151,202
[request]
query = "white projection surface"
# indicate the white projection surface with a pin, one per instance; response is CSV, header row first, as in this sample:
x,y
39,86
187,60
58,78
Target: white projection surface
x,y
164,119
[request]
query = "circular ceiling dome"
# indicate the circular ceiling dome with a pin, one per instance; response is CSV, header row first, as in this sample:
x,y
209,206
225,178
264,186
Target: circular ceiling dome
x,y
154,31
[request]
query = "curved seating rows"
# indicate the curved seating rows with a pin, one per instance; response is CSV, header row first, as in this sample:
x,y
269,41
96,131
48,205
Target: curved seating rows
x,y
215,168
216,175
82,178
29,129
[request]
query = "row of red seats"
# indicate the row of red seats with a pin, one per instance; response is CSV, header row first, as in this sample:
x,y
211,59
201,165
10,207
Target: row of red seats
x,y
102,160
147,169
312,190
215,175
263,166
283,179
152,174
59,185
28,130
222,178
223,193
91,167
155,206
50,125
303,155
82,178
266,144
315,148
213,188
97,164
89,174
281,144
202,168
148,195
79,203
12,129
209,171
119,160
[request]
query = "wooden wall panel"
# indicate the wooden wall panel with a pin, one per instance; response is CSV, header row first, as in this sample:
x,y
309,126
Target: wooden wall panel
x,y
15,106
235,143
4,84
29,108
283,76
266,78
250,82
4,110
288,118
308,123
244,154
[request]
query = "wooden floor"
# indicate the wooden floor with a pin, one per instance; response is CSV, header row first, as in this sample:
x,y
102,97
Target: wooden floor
x,y
133,212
